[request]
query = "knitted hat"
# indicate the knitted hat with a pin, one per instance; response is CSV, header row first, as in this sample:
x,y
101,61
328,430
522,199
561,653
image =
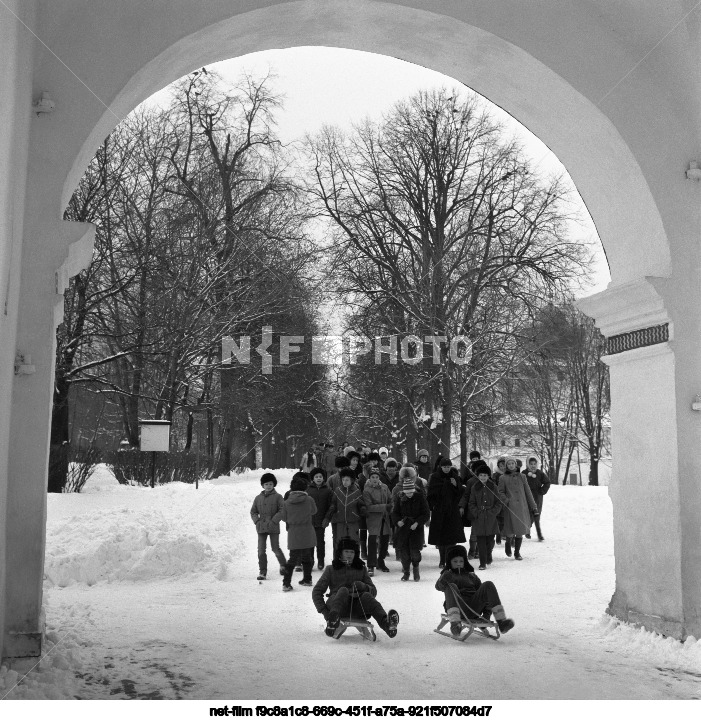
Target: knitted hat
x,y
314,471
501,459
391,463
298,483
268,477
446,462
341,462
408,485
373,472
475,454
422,452
383,450
347,450
532,458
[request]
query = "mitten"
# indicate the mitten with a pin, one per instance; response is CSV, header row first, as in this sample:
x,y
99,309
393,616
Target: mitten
x,y
414,526
325,523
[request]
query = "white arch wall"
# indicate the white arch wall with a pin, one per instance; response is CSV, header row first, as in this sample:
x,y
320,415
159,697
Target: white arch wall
x,y
556,65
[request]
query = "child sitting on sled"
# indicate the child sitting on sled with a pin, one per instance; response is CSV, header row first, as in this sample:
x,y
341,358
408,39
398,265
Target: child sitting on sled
x,y
352,592
482,598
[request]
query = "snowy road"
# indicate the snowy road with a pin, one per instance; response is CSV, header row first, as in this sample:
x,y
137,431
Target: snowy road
x,y
152,594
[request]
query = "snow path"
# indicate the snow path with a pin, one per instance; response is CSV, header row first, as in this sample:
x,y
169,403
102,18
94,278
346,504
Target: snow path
x,y
152,594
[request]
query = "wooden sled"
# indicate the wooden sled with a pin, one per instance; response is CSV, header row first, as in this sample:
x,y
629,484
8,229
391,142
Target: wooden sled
x,y
365,628
470,621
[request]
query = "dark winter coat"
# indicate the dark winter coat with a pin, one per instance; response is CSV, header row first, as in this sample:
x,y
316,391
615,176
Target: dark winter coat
x,y
518,503
539,484
484,506
298,511
424,469
398,489
339,575
443,497
346,509
322,497
464,502
378,505
466,580
265,506
410,510
390,482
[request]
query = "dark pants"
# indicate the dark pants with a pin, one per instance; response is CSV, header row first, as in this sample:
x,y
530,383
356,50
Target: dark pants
x,y
409,555
485,546
274,546
536,520
482,602
363,542
362,607
320,544
373,556
303,556
473,540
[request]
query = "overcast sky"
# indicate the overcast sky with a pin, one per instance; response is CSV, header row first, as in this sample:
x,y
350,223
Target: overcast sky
x,y
338,87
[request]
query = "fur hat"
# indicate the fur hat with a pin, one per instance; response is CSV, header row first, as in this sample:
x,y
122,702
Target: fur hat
x,y
454,552
374,471
372,456
482,468
314,471
341,462
446,462
346,472
475,454
267,478
391,463
352,454
422,452
347,544
407,472
299,482
383,450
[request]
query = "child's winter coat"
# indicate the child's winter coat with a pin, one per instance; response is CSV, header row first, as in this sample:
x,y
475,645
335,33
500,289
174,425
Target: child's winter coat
x,y
266,505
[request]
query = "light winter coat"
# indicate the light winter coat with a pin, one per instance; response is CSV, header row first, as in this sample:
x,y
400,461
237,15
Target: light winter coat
x,y
518,503
298,511
378,503
484,506
265,506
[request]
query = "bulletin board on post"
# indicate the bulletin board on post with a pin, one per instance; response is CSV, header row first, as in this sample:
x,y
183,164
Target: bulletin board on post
x,y
155,435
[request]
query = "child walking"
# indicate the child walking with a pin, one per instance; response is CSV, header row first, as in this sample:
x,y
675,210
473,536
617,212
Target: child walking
x,y
297,511
484,506
377,499
410,513
266,505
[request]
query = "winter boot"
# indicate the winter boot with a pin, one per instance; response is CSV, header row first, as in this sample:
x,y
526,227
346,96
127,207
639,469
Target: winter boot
x,y
405,577
505,624
507,546
517,549
371,571
260,577
287,587
282,570
389,623
498,540
453,615
415,568
332,622
298,569
320,565
382,566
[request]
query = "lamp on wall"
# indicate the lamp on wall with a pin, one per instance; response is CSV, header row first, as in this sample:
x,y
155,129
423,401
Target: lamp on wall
x,y
694,172
44,105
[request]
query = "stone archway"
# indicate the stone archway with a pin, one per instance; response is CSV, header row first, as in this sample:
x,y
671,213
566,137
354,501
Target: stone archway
x,y
625,144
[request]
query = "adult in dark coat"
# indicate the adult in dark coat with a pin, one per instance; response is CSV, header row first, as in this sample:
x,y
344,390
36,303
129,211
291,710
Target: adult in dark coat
x,y
424,467
501,467
539,484
470,480
484,506
444,492
321,493
409,513
351,592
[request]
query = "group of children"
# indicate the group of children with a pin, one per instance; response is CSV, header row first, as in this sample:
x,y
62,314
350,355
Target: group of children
x,y
315,502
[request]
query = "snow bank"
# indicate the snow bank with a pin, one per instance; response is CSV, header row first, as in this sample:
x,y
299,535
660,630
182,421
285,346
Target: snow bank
x,y
657,650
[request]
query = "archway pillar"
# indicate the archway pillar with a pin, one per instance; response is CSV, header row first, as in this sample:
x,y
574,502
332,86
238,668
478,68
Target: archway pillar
x,y
52,253
652,350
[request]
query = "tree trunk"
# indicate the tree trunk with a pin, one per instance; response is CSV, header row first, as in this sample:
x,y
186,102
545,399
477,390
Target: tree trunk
x,y
593,466
463,436
60,439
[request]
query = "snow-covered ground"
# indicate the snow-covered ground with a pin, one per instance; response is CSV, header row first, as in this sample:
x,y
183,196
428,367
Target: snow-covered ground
x,y
151,594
